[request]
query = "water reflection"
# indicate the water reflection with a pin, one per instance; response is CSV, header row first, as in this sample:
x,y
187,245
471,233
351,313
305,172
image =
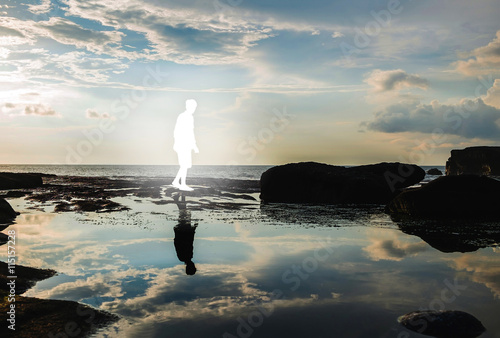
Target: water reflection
x,y
184,234
358,288
453,235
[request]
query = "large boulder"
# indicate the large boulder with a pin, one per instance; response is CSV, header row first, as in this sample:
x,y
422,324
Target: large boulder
x,y
475,161
443,324
6,211
20,181
311,182
450,197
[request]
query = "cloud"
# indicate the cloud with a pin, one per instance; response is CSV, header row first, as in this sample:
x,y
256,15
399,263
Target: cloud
x,y
397,79
492,97
42,8
39,109
484,60
468,118
190,34
337,35
93,114
393,247
69,33
32,109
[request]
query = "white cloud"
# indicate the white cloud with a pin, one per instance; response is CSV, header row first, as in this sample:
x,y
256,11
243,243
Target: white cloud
x,y
397,79
94,114
42,8
337,35
29,109
492,97
69,33
484,60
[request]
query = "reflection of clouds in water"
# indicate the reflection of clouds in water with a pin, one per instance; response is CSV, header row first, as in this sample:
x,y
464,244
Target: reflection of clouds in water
x,y
388,245
484,269
170,291
94,286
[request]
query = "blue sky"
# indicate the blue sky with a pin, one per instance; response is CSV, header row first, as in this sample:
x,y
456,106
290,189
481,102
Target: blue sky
x,y
341,82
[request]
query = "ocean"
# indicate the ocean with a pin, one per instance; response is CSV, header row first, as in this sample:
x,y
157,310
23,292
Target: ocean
x,y
245,172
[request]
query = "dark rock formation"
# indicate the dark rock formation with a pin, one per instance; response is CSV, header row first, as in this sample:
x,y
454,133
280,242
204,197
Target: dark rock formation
x,y
443,324
20,181
434,171
475,161
46,317
6,211
451,197
311,182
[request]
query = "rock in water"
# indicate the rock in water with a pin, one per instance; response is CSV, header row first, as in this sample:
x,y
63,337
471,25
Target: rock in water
x,y
450,197
443,324
475,161
20,180
311,182
6,211
434,171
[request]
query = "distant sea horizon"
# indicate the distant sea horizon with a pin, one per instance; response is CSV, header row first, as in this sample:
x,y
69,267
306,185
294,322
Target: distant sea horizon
x,y
246,172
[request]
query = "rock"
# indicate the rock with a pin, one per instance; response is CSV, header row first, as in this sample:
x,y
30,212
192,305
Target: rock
x,y
311,182
443,324
434,171
46,317
6,212
451,197
475,161
20,181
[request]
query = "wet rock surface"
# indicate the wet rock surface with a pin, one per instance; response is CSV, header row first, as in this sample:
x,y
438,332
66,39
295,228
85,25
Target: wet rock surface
x,y
94,194
311,182
443,324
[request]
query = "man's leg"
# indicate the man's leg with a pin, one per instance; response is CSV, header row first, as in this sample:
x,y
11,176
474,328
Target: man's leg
x,y
176,181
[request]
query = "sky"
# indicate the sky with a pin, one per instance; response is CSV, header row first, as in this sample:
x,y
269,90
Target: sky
x,y
338,82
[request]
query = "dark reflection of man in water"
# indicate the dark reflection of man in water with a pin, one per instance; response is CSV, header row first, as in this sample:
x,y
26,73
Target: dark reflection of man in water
x,y
184,235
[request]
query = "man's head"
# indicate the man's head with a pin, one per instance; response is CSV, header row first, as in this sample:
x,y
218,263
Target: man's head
x,y
191,105
190,268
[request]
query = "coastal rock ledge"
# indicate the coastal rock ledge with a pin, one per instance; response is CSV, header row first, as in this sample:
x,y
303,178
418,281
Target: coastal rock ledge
x,y
311,182
450,197
474,161
20,180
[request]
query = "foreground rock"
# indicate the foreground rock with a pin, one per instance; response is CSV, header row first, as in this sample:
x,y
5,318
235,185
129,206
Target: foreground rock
x,y
45,317
435,172
311,182
6,212
20,181
450,197
475,161
443,324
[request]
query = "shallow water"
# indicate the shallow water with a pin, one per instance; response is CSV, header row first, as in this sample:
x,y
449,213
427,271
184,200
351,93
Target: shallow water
x,y
338,273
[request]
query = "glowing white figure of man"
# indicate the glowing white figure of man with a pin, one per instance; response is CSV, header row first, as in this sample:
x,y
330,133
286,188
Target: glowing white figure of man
x,y
184,143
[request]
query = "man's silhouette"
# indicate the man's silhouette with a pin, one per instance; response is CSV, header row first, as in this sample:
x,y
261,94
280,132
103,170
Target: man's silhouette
x,y
184,143
184,235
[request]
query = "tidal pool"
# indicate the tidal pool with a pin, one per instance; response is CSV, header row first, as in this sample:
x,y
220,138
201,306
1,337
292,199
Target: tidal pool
x,y
271,271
